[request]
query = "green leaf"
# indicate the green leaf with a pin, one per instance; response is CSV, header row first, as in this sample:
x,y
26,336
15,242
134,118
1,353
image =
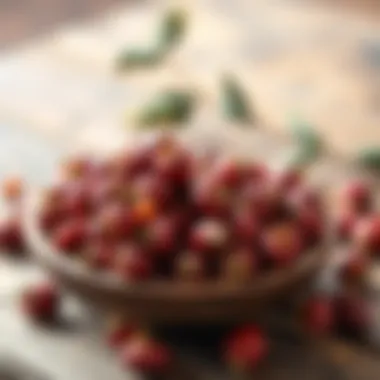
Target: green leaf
x,y
172,29
235,104
370,158
168,108
138,58
309,144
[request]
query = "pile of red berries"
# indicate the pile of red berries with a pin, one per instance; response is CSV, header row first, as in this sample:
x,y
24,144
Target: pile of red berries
x,y
160,210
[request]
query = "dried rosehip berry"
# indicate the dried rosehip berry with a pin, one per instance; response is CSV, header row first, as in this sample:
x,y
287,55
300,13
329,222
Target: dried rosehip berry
x,y
70,235
357,196
11,235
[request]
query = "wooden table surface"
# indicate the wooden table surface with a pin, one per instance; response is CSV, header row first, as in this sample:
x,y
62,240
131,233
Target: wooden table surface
x,y
58,94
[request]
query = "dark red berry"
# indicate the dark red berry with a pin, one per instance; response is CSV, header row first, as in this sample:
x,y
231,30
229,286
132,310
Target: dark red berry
x,y
11,234
357,196
240,265
282,243
319,315
132,264
246,348
70,235
311,225
161,236
288,180
40,302
145,355
228,173
245,227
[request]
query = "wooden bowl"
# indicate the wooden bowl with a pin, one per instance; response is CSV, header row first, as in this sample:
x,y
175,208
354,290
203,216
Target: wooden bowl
x,y
164,301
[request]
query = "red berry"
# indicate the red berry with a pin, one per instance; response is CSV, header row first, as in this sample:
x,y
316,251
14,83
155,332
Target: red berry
x,y
228,173
282,243
40,302
346,225
12,188
119,332
288,180
76,199
208,236
311,224
161,236
240,265
210,199
304,199
114,221
367,233
319,315
355,267
246,227
70,235
246,348
145,355
132,264
189,266
353,314
357,196
11,234
99,255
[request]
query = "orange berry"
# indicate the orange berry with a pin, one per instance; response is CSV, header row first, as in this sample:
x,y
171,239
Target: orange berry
x,y
145,210
12,188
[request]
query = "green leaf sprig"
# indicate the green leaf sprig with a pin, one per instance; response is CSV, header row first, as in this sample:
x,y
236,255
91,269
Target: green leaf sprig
x,y
169,108
234,101
309,145
170,33
369,158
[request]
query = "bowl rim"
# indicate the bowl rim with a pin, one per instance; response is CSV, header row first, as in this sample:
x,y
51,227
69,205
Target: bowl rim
x,y
63,265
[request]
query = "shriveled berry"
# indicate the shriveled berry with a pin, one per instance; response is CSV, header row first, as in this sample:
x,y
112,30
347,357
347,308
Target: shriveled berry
x,y
132,264
246,348
319,315
190,267
208,235
70,235
146,355
12,188
282,243
240,265
40,302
